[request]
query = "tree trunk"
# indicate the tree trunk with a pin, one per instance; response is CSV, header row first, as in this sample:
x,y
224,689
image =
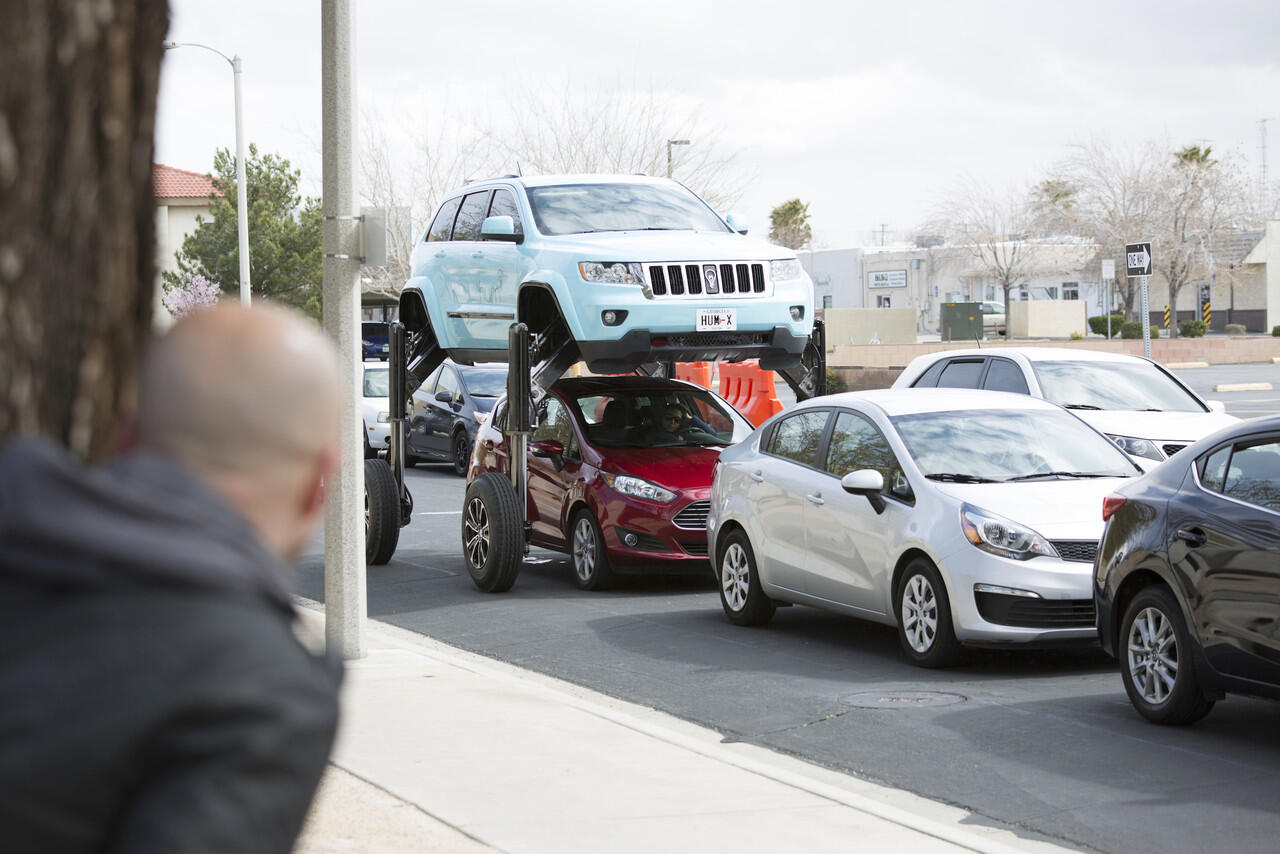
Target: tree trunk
x,y
78,82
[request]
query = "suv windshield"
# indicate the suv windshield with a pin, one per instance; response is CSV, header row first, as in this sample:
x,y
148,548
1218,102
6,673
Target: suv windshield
x,y
665,418
581,208
1112,385
1002,445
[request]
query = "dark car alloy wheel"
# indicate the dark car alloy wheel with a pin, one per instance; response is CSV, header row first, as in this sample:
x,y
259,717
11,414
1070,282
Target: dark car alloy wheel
x,y
1158,673
461,452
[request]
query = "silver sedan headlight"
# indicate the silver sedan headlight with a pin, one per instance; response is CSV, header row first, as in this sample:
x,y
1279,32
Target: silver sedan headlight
x,y
612,272
1001,536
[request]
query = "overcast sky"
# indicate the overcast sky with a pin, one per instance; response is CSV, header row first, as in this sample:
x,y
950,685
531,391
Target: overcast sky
x,y
869,112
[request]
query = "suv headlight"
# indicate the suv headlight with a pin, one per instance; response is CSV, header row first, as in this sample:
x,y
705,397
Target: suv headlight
x,y
785,270
1136,447
1002,536
638,488
613,272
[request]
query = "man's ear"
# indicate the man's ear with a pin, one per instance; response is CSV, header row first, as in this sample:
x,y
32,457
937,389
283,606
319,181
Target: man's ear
x,y
322,472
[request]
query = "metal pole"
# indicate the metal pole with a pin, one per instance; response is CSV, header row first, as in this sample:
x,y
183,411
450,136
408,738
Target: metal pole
x,y
242,205
1146,320
345,602
668,158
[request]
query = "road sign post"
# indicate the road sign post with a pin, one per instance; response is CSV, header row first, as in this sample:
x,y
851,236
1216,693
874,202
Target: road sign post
x,y
1109,277
1138,263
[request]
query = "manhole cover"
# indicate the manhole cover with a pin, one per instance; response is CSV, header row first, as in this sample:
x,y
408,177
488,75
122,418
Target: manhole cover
x,y
901,699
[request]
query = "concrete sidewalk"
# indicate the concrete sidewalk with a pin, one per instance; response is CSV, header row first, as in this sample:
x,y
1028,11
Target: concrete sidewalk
x,y
444,750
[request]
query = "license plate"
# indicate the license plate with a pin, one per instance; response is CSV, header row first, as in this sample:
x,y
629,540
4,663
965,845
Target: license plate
x,y
717,319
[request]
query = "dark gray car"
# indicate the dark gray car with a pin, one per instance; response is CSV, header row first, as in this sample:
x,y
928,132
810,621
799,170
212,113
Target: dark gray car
x,y
446,410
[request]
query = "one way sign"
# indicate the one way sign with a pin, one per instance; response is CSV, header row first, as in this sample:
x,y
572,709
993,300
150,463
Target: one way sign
x,y
1138,259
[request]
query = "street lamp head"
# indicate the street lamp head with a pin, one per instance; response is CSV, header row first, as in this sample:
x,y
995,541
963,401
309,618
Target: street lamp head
x,y
171,45
677,142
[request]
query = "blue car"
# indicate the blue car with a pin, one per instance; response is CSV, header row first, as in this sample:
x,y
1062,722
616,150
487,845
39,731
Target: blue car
x,y
627,269
373,340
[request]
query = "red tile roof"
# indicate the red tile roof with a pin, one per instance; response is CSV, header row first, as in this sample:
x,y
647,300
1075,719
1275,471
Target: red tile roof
x,y
172,183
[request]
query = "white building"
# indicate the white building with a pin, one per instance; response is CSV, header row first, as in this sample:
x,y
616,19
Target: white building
x,y
180,196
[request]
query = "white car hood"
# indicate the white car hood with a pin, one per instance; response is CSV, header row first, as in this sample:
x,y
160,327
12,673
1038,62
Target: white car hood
x,y
1057,509
657,246
1157,426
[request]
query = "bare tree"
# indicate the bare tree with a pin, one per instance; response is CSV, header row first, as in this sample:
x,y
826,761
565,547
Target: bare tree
x,y
581,131
78,85
995,230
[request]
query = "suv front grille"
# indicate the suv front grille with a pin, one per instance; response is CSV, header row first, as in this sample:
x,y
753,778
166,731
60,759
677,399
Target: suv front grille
x,y
1172,448
694,516
1084,551
1025,613
741,278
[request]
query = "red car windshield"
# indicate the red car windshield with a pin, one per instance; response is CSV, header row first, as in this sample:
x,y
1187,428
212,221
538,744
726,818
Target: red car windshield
x,y
659,418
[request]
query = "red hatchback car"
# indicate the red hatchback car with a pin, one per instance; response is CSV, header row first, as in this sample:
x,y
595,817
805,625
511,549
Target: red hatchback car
x,y
620,472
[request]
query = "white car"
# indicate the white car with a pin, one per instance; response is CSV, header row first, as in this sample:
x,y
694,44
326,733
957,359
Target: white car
x,y
961,517
1136,402
374,408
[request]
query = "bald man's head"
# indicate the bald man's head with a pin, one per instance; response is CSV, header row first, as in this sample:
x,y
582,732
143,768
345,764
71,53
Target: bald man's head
x,y
231,389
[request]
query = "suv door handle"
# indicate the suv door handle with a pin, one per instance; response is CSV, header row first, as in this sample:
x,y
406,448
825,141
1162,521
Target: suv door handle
x,y
1193,537
757,477
816,499
440,253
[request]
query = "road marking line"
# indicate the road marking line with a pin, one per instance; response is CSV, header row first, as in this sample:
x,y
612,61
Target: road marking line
x,y
1242,387
1178,366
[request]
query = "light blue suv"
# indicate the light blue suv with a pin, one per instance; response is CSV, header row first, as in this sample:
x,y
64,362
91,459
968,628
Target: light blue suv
x,y
617,270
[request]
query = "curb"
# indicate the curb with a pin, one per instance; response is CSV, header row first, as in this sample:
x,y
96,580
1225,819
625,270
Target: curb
x,y
905,809
1242,387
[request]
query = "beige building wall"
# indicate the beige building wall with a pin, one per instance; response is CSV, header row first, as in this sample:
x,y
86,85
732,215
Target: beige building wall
x,y
1264,264
175,219
1046,318
870,326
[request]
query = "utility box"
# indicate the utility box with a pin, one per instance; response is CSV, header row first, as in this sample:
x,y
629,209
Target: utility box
x,y
960,321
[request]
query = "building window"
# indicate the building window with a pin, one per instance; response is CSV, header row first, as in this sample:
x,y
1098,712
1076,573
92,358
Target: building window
x,y
1071,290
826,301
883,301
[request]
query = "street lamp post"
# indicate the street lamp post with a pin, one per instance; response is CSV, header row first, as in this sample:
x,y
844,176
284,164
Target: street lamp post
x,y
242,205
670,143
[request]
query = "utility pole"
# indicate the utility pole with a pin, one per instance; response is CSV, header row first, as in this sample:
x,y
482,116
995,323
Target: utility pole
x,y
884,226
345,602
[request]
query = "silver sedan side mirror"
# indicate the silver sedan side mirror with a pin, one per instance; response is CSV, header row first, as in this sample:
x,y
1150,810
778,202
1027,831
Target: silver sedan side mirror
x,y
868,483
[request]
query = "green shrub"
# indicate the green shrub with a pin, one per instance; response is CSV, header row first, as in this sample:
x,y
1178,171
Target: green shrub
x,y
1234,329
835,382
1131,329
1193,329
1098,324
1076,336
1275,331
1155,332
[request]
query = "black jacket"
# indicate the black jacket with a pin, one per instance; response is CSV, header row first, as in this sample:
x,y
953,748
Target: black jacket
x,y
153,693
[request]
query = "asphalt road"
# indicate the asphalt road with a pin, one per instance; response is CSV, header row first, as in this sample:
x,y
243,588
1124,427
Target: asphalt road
x,y
1044,743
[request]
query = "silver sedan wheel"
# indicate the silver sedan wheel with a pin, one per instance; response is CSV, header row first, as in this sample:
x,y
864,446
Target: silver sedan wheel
x,y
919,613
1153,655
584,549
476,533
735,576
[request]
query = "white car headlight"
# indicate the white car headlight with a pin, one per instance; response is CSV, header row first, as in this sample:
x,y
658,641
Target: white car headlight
x,y
785,270
1136,447
638,488
1002,536
612,272
384,417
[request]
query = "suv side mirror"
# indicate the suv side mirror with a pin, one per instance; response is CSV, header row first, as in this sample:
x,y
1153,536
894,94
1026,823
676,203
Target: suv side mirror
x,y
736,223
868,483
500,228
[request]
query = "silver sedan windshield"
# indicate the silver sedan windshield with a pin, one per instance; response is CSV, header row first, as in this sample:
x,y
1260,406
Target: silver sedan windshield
x,y
581,208
1003,445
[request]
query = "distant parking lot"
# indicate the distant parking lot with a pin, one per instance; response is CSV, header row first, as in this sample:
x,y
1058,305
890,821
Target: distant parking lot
x,y
1242,404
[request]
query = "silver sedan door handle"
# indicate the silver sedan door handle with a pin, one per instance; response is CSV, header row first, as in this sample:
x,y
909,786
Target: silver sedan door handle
x,y
757,477
816,499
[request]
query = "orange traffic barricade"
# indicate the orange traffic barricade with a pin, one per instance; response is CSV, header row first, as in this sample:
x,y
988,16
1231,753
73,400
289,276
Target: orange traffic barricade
x,y
750,390
695,372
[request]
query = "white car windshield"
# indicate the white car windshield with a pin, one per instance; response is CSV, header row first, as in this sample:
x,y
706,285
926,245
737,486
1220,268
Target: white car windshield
x,y
1112,385
667,418
990,445
582,208
375,382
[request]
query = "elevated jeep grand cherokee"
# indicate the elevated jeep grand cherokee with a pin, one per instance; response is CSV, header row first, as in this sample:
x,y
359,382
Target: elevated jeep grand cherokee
x,y
626,269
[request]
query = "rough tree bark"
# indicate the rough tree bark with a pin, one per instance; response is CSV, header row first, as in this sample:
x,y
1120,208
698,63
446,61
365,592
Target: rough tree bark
x,y
78,82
